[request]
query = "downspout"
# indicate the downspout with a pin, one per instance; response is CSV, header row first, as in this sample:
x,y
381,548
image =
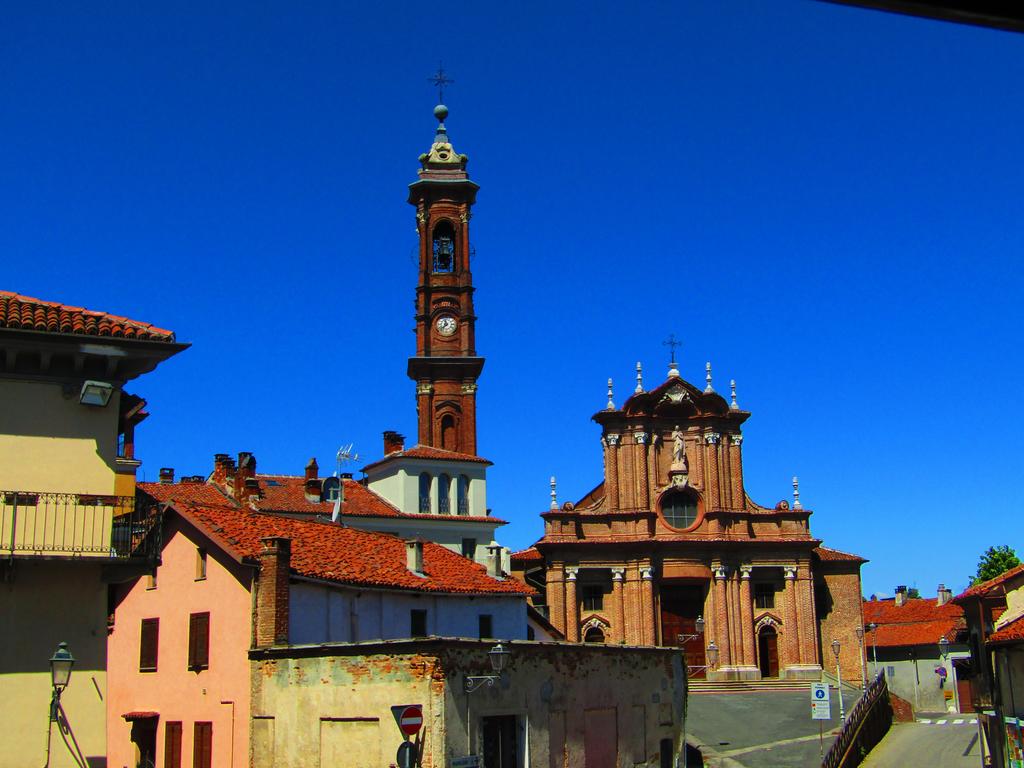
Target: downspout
x,y
232,748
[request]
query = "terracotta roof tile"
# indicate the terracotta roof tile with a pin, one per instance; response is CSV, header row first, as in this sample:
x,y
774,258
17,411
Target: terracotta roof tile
x,y
347,555
980,590
1011,633
427,452
530,555
27,313
917,622
828,554
195,493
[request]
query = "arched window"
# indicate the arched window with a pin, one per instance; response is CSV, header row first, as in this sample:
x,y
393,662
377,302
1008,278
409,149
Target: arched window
x,y
425,492
463,495
444,247
448,432
679,508
444,493
594,635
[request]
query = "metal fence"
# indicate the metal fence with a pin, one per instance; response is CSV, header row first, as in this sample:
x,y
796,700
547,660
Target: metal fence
x,y
73,524
867,723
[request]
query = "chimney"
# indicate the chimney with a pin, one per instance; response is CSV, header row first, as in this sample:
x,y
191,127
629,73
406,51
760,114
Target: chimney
x,y
246,471
167,475
901,596
944,595
250,489
220,467
494,560
312,469
272,592
393,442
414,556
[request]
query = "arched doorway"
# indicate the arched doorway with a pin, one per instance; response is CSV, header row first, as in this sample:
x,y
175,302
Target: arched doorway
x,y
594,635
768,651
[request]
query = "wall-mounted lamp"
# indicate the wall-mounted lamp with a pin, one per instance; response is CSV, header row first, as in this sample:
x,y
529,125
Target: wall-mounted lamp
x,y
943,646
60,673
96,393
498,656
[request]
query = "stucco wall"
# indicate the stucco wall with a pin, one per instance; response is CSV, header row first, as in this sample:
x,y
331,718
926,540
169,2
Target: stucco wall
x,y
902,675
219,694
447,532
399,483
306,701
319,614
53,443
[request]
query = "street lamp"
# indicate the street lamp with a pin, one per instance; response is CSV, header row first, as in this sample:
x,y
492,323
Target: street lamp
x,y
498,656
698,625
943,646
60,673
874,649
839,680
863,669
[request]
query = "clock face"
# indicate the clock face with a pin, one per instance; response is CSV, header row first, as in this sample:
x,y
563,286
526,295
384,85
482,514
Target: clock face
x,y
447,325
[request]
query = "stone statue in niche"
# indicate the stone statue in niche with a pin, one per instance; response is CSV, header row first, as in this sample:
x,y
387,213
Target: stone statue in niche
x,y
678,450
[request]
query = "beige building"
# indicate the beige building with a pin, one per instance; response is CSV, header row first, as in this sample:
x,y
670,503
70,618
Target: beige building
x,y
68,524
552,705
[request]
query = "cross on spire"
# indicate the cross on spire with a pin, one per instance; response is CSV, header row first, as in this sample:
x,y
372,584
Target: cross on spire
x,y
440,79
673,343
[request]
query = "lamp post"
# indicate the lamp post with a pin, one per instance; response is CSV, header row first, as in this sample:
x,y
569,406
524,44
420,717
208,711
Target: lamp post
x,y
874,649
60,673
839,680
863,668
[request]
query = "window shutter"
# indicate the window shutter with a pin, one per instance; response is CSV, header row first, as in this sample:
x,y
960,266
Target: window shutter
x,y
199,641
202,746
149,639
172,746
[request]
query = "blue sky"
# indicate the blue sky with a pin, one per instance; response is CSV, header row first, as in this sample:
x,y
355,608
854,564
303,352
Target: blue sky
x,y
823,201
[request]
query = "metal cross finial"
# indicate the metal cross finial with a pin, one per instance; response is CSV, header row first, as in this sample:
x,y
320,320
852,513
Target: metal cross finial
x,y
639,378
554,495
673,343
440,79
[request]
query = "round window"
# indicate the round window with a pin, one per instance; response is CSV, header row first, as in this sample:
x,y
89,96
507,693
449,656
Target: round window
x,y
679,509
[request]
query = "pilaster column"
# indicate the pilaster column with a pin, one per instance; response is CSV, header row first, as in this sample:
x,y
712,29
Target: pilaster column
x,y
736,470
649,633
572,607
713,493
652,470
789,617
746,615
555,588
722,616
642,492
618,608
611,464
805,618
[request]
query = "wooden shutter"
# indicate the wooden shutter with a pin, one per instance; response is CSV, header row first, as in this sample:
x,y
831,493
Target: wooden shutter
x,y
202,745
199,641
149,640
172,745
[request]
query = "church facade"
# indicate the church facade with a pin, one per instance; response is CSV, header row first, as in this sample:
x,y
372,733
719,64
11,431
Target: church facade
x,y
669,550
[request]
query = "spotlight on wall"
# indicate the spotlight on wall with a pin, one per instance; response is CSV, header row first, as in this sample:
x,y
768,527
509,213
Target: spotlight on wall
x,y
96,393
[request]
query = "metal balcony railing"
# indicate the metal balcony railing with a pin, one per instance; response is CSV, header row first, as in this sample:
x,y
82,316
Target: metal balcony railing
x,y
77,525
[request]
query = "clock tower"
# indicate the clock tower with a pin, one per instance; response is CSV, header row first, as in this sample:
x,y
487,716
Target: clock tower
x,y
445,367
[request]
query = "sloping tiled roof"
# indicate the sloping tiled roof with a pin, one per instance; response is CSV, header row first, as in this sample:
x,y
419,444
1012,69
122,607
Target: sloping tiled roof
x,y
980,590
29,314
332,552
917,622
530,555
427,452
194,493
828,554
1011,633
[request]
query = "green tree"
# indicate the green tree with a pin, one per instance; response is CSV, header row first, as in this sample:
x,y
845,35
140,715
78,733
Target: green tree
x,y
995,561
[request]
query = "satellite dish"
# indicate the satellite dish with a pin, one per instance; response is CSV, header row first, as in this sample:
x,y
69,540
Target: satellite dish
x,y
330,489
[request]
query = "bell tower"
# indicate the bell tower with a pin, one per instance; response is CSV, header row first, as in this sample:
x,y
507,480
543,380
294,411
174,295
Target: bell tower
x,y
445,367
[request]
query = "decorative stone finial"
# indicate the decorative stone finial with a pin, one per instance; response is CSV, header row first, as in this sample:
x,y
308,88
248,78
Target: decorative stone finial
x,y
639,378
554,495
611,403
707,378
796,493
732,386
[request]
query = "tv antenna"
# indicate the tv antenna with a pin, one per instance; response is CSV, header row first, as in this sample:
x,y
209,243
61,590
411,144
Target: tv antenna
x,y
344,456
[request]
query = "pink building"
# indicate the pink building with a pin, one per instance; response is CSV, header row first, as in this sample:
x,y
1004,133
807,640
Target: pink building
x,y
231,579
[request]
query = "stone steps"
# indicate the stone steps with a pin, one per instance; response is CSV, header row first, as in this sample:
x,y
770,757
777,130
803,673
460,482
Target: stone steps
x,y
748,686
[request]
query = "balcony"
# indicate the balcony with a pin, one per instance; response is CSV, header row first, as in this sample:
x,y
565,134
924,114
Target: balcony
x,y
76,525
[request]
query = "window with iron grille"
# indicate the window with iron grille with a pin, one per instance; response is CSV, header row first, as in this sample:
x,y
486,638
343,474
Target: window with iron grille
x,y
199,641
149,641
425,493
764,595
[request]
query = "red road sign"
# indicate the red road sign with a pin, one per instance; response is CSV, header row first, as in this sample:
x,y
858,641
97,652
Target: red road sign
x,y
410,719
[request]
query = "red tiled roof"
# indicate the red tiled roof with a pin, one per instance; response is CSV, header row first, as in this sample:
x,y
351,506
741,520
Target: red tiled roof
x,y
919,621
332,552
194,493
1011,633
427,452
980,590
676,538
834,555
29,314
530,555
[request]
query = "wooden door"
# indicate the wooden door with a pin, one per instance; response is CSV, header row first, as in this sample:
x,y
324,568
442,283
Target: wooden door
x,y
600,738
964,689
501,747
681,606
768,652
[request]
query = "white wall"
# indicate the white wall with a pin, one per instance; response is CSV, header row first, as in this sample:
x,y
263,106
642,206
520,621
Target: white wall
x,y
398,481
320,614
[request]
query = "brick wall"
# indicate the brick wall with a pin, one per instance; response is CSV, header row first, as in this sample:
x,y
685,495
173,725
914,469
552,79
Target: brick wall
x,y
838,599
272,595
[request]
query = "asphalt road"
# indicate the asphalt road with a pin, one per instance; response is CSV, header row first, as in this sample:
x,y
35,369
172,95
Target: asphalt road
x,y
946,745
763,729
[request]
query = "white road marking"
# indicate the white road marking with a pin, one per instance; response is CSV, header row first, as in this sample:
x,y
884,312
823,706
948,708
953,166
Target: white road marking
x,y
958,722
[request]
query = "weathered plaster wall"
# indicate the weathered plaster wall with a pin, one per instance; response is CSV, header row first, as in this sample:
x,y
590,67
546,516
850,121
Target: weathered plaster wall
x,y
910,674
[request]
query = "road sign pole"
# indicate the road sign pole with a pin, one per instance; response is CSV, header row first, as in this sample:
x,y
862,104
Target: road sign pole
x,y
821,739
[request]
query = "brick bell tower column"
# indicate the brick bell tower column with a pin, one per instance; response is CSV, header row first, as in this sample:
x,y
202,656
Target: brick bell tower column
x,y
446,366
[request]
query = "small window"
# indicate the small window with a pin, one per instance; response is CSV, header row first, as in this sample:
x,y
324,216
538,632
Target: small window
x,y
199,641
172,745
764,595
593,597
469,548
444,494
463,494
486,626
425,493
151,579
202,746
418,622
679,509
149,642
200,563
